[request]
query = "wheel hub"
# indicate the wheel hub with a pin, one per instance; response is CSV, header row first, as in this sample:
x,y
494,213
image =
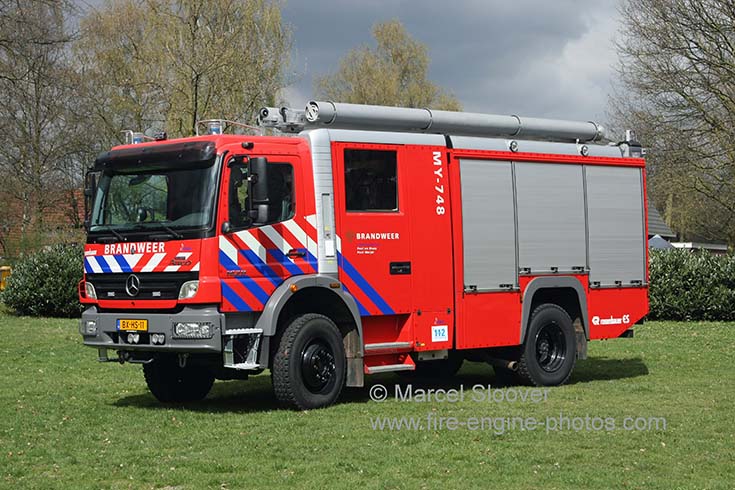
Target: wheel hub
x,y
551,349
317,365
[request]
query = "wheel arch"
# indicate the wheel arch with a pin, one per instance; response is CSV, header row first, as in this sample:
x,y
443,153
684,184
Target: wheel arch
x,y
566,292
315,294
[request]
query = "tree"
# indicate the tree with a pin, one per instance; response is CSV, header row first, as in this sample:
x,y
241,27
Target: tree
x,y
166,64
678,78
394,73
37,126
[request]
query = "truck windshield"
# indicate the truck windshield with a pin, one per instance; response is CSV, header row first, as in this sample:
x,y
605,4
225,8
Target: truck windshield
x,y
164,197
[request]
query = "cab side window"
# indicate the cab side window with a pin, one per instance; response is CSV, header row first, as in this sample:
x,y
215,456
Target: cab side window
x,y
239,204
280,195
371,181
280,192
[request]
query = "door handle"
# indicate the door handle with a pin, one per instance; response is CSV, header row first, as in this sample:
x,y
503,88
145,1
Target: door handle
x,y
295,254
400,268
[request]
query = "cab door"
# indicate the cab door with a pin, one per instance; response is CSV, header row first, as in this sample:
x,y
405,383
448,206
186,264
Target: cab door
x,y
258,252
374,253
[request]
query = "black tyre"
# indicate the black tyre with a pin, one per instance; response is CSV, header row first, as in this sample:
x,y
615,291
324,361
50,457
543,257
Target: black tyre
x,y
439,369
549,353
170,383
309,366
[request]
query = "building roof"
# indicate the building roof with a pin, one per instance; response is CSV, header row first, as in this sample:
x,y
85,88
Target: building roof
x,y
656,224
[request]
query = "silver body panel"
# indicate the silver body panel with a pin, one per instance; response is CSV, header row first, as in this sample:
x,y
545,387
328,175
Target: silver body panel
x,y
321,160
616,225
488,223
551,227
546,218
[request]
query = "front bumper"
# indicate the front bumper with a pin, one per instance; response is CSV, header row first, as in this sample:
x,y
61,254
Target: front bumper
x,y
108,337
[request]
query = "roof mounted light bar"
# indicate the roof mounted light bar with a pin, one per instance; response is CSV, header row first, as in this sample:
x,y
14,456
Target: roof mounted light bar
x,y
380,118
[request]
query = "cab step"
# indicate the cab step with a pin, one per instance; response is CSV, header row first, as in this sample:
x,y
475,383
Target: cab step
x,y
386,347
389,363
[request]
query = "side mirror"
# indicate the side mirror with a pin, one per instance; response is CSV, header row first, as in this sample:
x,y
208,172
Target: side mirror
x,y
258,172
90,190
259,179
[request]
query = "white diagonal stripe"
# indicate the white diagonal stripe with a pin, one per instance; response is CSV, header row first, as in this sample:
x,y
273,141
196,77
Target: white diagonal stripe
x,y
296,231
133,259
171,268
311,219
228,249
155,260
195,268
94,265
278,240
301,236
253,245
111,263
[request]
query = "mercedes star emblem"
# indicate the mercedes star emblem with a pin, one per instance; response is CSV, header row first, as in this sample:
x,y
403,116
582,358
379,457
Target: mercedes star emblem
x,y
132,285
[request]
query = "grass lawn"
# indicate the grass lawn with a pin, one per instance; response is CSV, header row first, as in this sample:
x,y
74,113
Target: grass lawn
x,y
70,422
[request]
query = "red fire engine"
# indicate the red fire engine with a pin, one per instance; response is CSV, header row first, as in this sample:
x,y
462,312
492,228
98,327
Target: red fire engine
x,y
370,240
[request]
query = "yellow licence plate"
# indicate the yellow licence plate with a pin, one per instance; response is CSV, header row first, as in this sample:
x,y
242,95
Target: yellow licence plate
x,y
137,325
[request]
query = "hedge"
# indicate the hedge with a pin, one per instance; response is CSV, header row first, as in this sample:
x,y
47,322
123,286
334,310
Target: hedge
x,y
45,283
688,285
684,285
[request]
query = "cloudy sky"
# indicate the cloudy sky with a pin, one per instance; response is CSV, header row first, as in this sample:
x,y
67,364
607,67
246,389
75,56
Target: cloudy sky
x,y
538,58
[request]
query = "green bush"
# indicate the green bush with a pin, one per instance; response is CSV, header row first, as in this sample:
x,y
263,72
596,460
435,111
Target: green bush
x,y
688,285
45,283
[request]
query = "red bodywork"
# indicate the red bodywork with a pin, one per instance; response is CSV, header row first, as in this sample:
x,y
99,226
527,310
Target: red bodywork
x,y
239,271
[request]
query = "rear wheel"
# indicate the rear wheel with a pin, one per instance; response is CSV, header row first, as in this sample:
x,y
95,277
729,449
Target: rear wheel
x,y
549,354
170,383
309,366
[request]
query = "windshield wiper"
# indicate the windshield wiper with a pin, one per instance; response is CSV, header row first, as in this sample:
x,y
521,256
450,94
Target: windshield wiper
x,y
109,228
171,233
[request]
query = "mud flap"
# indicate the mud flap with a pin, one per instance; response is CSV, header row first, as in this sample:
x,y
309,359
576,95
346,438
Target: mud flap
x,y
581,339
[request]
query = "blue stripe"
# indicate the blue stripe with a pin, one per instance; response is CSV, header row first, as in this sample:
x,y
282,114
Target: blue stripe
x,y
236,301
286,262
366,288
250,284
122,263
227,262
254,288
103,264
87,267
262,267
363,310
311,259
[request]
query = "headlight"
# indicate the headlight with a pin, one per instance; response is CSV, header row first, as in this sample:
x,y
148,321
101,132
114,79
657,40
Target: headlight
x,y
193,330
89,290
188,289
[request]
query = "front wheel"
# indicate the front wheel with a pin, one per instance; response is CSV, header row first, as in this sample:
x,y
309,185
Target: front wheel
x,y
550,351
309,367
170,383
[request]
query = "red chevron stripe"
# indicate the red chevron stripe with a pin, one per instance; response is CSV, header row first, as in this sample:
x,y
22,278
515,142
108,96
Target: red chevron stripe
x,y
357,292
